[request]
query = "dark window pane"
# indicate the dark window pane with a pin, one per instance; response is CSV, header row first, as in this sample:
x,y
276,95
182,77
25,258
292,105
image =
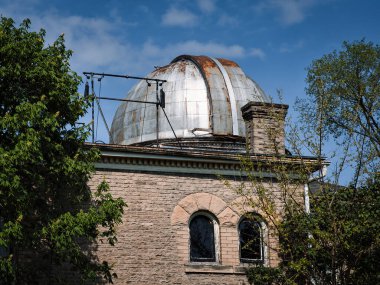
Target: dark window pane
x,y
202,247
251,247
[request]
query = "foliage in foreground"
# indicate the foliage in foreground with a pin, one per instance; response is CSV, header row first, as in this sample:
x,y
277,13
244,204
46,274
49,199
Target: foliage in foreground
x,y
338,242
49,219
261,275
343,105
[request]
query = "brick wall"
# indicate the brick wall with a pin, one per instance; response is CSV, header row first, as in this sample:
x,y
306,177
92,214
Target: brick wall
x,y
265,127
152,243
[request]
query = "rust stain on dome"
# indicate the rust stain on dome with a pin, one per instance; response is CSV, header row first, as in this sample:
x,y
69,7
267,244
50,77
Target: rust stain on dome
x,y
204,63
227,62
182,66
198,98
162,69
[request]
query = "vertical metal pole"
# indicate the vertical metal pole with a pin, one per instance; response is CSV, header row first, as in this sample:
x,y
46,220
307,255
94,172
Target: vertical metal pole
x,y
93,109
307,198
157,109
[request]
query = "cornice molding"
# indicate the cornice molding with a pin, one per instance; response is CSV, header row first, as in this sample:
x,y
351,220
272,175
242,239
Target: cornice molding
x,y
158,160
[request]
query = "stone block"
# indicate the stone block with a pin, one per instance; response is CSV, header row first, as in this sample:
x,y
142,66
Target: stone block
x,y
217,205
203,200
228,218
179,216
189,204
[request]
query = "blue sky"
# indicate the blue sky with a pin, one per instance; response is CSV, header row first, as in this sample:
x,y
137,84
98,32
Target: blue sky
x,y
272,40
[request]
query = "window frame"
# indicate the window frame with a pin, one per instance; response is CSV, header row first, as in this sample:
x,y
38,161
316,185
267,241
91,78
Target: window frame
x,y
253,217
215,223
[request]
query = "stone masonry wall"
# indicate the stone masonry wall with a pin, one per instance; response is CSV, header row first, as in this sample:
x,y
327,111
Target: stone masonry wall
x,y
152,245
265,127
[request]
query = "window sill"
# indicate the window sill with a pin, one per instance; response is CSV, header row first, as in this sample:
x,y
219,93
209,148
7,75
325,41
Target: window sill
x,y
213,269
247,263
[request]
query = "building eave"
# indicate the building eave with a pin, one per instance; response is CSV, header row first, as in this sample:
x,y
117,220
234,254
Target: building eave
x,y
149,159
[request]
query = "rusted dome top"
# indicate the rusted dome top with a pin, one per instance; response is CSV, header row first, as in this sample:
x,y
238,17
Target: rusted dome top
x,y
203,100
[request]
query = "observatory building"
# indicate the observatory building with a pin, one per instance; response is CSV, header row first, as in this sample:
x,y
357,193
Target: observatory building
x,y
177,165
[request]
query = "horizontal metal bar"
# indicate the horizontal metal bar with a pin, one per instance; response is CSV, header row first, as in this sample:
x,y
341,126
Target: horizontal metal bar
x,y
127,100
124,76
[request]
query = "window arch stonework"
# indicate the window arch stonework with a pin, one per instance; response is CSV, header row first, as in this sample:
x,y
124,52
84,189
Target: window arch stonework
x,y
227,219
196,202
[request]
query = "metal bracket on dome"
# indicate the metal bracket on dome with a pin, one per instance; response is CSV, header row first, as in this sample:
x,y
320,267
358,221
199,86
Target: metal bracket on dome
x,y
160,97
125,76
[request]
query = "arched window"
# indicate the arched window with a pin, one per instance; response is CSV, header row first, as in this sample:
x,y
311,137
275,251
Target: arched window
x,y
251,240
202,238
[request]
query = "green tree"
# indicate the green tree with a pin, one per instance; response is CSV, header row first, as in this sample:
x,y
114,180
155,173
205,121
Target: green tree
x,y
49,218
338,241
343,104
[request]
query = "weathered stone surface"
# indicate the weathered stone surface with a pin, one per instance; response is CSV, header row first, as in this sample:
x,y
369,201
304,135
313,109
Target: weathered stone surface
x,y
217,205
153,241
203,200
228,217
189,204
179,216
265,127
242,205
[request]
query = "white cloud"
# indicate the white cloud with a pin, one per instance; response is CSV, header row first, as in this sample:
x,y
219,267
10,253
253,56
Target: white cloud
x,y
177,17
227,20
256,52
290,11
17,9
209,48
193,47
288,48
99,46
93,40
206,6
145,9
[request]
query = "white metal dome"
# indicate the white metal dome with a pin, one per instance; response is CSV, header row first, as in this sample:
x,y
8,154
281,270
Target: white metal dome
x,y
203,99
